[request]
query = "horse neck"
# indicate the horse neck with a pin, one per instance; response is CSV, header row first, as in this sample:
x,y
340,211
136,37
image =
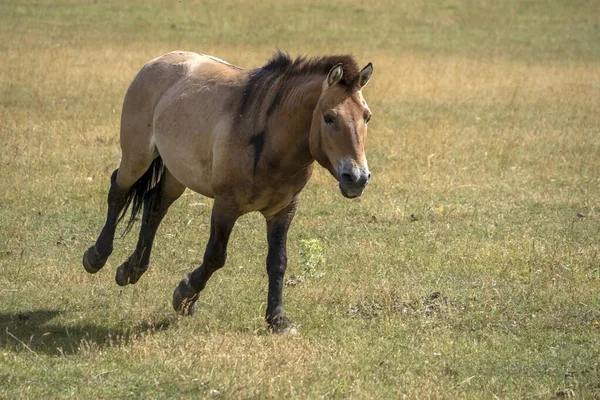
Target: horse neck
x,y
293,119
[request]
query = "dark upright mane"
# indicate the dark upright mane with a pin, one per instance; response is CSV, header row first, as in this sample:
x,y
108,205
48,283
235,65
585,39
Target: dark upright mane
x,y
282,63
272,82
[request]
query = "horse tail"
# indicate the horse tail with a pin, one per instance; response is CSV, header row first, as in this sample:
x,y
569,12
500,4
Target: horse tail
x,y
144,189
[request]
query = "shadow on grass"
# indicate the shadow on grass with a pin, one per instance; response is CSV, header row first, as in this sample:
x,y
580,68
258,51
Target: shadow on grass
x,y
35,332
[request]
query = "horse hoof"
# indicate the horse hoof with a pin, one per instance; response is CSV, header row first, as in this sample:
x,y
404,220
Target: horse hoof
x,y
126,275
121,276
184,298
93,261
283,326
288,331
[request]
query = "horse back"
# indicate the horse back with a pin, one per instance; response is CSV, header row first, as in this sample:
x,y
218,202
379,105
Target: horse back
x,y
177,107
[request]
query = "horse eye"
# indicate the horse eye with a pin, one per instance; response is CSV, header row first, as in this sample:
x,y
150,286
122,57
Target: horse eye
x,y
328,119
367,120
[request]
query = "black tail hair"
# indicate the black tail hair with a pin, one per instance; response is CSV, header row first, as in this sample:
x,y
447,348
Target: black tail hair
x,y
144,188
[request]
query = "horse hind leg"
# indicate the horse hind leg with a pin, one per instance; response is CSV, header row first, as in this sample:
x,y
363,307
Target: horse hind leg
x,y
156,203
128,184
135,173
95,257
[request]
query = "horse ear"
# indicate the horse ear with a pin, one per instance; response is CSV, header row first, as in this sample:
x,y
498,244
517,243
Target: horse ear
x,y
365,75
335,74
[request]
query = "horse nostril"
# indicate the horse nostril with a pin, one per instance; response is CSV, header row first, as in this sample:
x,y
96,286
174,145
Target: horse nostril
x,y
347,178
363,181
369,177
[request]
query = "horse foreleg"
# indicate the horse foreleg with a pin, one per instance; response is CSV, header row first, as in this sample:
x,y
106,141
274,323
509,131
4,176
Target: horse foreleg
x,y
277,230
186,294
95,257
156,205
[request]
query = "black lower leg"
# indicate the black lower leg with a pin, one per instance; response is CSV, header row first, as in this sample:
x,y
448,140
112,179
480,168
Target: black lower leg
x,y
215,254
187,291
277,229
95,257
156,204
154,211
276,266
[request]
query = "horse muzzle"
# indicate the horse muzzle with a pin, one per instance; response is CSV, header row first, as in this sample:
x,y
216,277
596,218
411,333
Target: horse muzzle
x,y
353,180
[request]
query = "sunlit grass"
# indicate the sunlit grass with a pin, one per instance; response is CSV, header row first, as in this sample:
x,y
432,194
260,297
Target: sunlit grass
x,y
470,268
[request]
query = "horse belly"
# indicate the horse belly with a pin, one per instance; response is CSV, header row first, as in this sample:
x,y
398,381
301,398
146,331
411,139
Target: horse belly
x,y
192,171
270,201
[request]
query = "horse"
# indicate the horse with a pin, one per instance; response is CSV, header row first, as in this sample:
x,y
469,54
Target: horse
x,y
247,138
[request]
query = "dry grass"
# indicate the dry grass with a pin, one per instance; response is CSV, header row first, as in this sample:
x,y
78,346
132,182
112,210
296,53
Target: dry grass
x,y
485,152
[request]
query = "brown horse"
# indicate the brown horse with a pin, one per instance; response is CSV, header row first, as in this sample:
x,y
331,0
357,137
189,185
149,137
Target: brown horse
x,y
248,139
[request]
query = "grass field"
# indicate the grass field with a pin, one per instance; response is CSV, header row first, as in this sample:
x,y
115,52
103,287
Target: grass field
x,y
470,268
